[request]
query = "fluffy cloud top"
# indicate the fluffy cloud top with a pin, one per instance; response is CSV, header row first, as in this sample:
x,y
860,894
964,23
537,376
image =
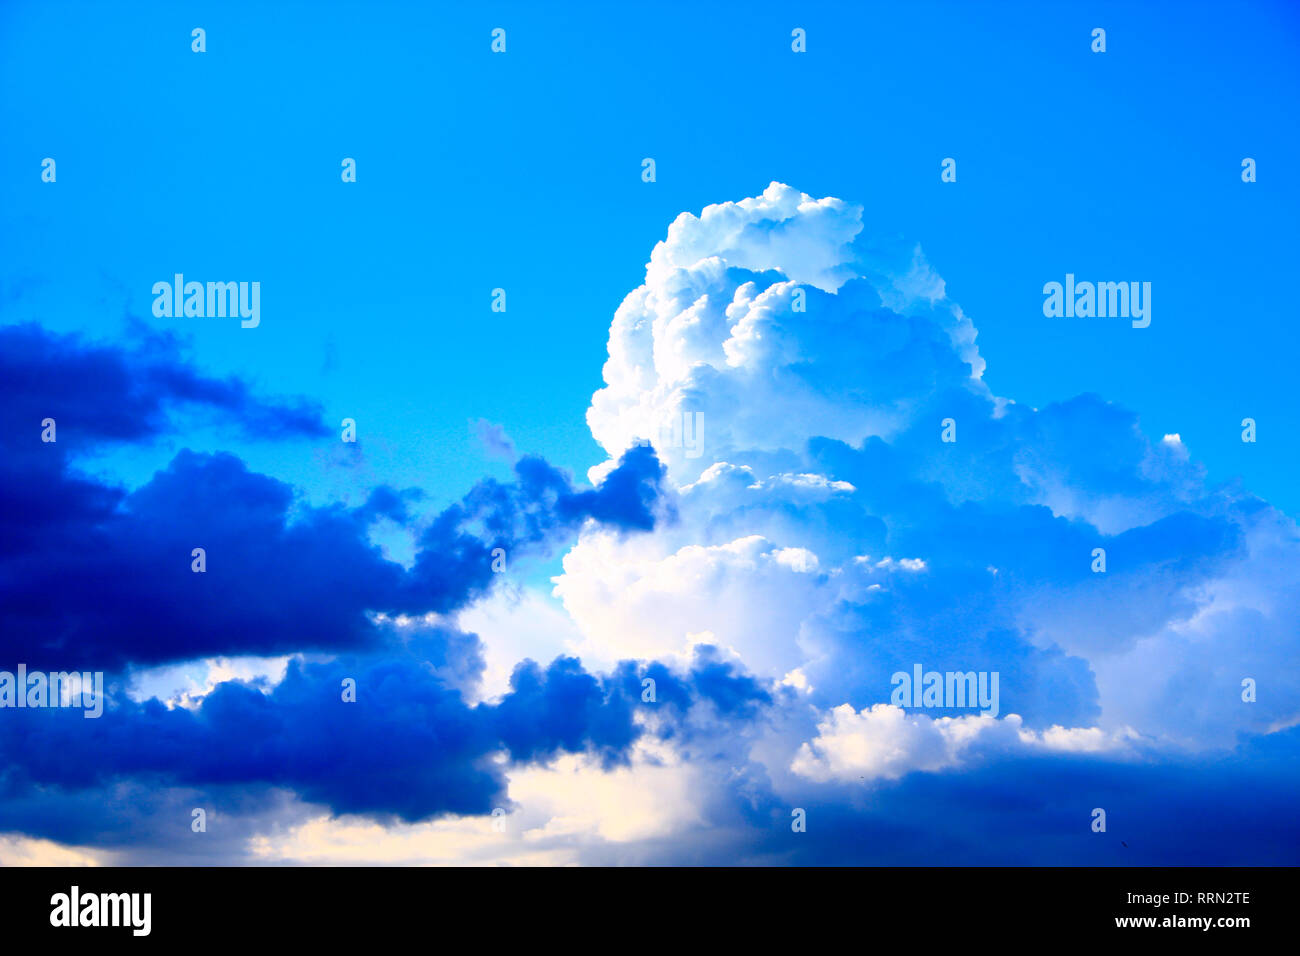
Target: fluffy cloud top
x,y
765,316
817,478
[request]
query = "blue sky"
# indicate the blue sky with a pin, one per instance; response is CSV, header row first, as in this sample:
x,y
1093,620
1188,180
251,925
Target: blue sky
x,y
522,171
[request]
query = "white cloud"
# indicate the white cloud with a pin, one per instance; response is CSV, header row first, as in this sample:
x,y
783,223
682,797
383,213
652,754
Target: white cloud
x,y
886,742
185,684
653,796
631,599
18,850
514,624
767,550
557,813
697,337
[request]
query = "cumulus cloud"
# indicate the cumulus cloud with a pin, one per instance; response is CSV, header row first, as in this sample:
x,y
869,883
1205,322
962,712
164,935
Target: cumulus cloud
x,y
413,748
765,316
779,527
821,439
887,742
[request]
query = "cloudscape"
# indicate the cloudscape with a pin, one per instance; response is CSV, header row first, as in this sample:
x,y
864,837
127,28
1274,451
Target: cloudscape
x,y
386,504
720,648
